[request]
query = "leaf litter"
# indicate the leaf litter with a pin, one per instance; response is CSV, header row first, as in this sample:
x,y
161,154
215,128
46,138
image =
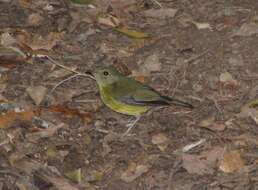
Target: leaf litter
x,y
224,156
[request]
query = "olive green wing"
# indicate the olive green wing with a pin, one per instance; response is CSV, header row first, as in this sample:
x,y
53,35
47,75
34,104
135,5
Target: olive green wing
x,y
132,92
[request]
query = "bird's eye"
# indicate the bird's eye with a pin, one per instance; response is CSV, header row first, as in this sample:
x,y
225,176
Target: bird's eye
x,y
105,73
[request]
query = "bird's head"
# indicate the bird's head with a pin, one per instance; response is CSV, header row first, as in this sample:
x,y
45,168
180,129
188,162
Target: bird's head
x,y
106,75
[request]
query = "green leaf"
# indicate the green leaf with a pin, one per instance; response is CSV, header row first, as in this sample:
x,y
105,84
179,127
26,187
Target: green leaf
x,y
75,175
253,103
51,152
132,33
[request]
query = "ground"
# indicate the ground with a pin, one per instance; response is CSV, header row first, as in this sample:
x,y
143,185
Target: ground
x,y
63,137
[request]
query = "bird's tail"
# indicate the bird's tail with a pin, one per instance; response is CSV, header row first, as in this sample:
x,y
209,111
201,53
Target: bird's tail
x,y
176,102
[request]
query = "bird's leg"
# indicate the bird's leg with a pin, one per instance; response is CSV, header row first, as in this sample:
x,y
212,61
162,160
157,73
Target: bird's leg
x,y
131,125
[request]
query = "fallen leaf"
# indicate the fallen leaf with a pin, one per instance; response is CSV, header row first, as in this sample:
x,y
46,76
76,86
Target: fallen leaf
x,y
231,162
247,29
204,163
58,182
160,140
195,165
37,93
161,13
35,19
44,133
211,124
185,20
4,139
51,152
249,111
25,3
7,40
94,176
109,20
207,122
151,64
110,137
11,62
227,79
132,33
8,118
38,42
75,175
134,171
86,116
22,149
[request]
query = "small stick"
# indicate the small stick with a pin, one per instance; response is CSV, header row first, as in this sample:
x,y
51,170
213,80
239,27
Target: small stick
x,y
194,58
157,3
69,69
192,145
61,82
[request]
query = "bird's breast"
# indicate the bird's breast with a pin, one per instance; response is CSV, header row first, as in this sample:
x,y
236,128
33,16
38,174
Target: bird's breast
x,y
119,106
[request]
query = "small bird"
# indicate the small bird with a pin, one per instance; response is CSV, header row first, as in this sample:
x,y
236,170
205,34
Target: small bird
x,y
127,96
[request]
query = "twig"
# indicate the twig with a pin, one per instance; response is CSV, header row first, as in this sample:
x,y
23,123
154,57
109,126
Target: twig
x,y
194,58
192,145
157,3
69,69
61,82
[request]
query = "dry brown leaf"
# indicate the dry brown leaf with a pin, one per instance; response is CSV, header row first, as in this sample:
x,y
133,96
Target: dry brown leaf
x,y
25,3
37,93
44,133
195,165
59,182
231,161
203,163
151,64
7,119
247,29
45,42
227,78
11,62
109,20
86,116
35,19
160,140
134,171
211,124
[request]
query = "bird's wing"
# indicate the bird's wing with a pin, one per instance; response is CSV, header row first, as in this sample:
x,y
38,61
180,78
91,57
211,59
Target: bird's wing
x,y
138,94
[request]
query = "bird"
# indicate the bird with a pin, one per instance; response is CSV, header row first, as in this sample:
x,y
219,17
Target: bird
x,y
128,96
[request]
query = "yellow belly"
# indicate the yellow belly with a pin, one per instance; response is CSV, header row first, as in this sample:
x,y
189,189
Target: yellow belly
x,y
123,108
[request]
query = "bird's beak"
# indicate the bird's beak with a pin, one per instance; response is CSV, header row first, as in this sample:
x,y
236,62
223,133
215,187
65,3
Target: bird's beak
x,y
89,73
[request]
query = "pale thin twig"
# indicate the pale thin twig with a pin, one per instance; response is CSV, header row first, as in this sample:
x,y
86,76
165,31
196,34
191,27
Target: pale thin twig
x,y
69,69
157,3
192,145
194,58
61,82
